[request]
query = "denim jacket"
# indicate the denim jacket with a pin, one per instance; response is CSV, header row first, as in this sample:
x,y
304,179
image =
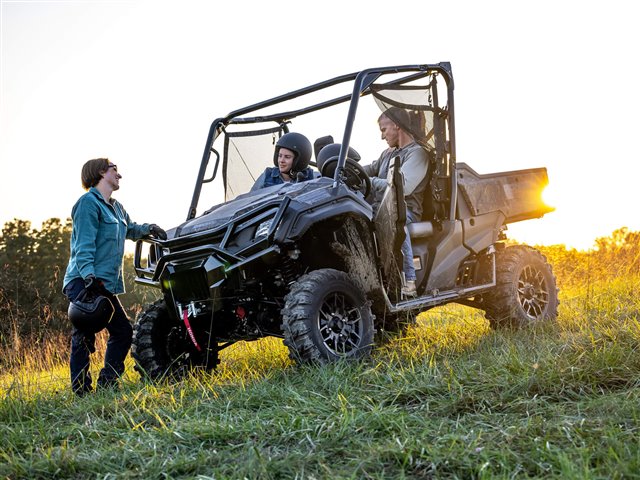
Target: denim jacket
x,y
271,176
97,240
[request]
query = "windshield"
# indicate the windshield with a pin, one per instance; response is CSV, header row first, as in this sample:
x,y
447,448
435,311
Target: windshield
x,y
247,154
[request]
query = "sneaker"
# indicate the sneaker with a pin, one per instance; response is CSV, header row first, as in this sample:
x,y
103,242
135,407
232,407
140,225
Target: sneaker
x,y
409,289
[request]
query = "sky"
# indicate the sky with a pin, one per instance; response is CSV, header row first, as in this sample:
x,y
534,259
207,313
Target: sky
x,y
544,83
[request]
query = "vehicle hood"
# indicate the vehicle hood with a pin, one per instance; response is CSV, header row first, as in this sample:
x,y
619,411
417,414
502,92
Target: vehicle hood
x,y
225,212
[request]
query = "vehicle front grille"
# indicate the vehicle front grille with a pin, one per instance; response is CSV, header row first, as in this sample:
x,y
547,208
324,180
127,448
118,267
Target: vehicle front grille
x,y
187,286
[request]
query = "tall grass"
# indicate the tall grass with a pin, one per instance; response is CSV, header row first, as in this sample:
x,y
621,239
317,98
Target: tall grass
x,y
451,398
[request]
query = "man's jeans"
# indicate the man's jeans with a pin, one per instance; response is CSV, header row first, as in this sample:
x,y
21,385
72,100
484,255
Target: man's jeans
x,y
83,345
407,251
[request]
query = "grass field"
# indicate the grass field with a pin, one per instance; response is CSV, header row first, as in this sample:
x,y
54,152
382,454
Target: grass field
x,y
450,399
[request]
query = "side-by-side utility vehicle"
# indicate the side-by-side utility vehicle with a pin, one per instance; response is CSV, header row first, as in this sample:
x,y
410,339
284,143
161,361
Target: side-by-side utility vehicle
x,y
312,261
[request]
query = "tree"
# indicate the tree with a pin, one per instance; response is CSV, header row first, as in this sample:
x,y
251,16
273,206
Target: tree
x,y
32,264
32,267
621,248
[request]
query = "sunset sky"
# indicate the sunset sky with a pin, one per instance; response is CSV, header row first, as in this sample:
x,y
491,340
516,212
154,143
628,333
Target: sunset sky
x,y
545,83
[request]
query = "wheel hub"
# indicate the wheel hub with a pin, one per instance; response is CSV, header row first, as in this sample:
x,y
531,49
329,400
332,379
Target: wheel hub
x,y
340,325
529,291
533,292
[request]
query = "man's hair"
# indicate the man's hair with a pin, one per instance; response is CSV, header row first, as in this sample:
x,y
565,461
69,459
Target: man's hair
x,y
412,122
92,172
399,116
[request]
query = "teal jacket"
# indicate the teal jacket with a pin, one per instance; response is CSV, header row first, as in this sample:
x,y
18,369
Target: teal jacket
x,y
97,240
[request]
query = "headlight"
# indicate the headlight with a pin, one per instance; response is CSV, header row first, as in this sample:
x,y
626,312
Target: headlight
x,y
263,228
255,227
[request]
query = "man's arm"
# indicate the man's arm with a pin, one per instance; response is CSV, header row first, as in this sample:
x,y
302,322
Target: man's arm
x,y
373,169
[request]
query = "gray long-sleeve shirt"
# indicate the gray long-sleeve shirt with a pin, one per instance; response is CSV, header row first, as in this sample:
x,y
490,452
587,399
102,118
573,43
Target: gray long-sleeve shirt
x,y
414,166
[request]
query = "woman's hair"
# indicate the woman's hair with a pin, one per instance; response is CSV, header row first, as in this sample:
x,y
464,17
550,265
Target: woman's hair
x,y
92,172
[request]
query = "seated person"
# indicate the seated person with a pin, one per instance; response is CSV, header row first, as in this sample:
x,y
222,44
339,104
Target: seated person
x,y
396,127
291,159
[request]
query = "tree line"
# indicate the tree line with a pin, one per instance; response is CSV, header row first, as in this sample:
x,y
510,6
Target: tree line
x,y
33,263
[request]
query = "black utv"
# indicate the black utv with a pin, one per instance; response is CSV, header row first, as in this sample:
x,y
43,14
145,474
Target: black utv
x,y
312,261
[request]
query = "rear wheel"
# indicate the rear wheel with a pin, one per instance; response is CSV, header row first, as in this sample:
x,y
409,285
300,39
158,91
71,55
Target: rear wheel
x,y
326,317
525,291
162,347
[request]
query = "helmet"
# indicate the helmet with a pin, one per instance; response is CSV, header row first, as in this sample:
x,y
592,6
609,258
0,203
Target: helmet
x,y
90,313
327,158
299,145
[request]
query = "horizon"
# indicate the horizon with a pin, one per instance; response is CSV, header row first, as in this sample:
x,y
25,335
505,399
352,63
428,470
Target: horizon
x,y
130,244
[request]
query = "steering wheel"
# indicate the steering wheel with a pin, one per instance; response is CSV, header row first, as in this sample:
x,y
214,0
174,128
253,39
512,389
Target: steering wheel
x,y
356,178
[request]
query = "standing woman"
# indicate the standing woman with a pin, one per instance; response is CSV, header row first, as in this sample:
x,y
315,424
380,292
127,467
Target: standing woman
x,y
100,226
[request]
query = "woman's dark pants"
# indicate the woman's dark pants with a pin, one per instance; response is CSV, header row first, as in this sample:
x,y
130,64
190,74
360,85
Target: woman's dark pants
x,y
83,345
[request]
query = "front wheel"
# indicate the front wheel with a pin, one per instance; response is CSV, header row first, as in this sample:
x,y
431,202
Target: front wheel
x,y
326,317
525,291
162,347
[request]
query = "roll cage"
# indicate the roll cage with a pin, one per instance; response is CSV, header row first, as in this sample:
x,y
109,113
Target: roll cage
x,y
364,84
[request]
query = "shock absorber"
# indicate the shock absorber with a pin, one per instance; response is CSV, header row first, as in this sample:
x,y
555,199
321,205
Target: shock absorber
x,y
288,266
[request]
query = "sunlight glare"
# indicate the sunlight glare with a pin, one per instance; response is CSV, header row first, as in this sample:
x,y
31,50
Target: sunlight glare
x,y
550,195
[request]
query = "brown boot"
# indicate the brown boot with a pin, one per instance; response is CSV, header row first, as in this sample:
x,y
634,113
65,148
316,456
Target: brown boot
x,y
409,288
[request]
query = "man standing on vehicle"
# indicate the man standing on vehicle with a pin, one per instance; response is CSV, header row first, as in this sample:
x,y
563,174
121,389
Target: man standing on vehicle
x,y
395,127
100,226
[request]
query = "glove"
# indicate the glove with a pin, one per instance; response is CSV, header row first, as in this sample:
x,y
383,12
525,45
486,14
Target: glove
x,y
157,232
92,284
